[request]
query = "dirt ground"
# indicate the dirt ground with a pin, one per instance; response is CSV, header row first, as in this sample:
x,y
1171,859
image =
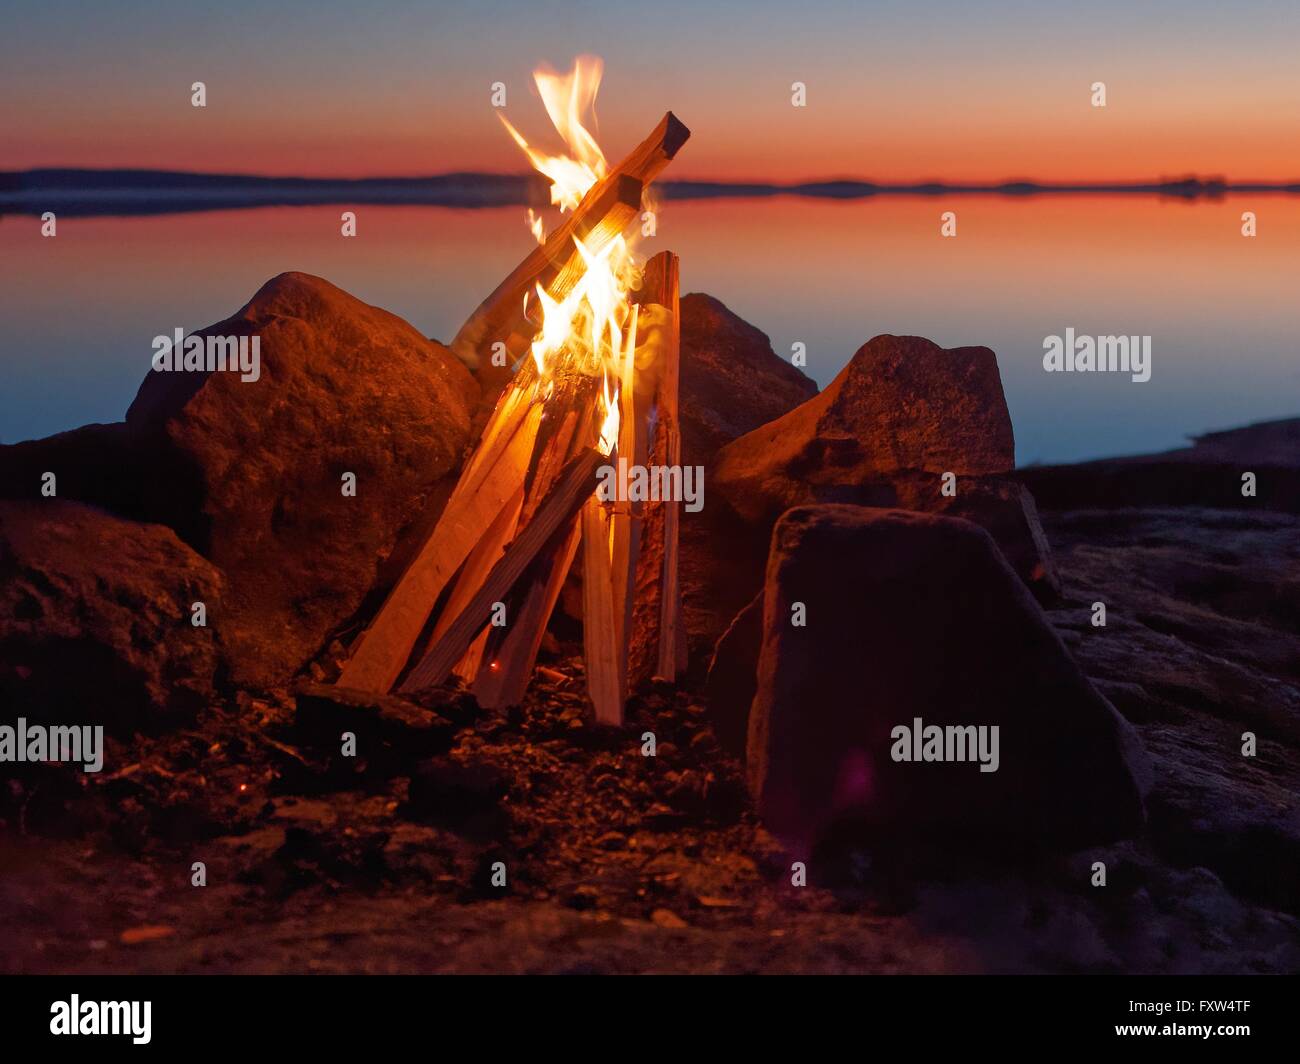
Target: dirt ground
x,y
618,862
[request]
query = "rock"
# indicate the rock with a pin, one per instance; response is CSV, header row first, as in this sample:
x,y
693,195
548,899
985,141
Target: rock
x,y
95,618
1002,507
918,616
731,383
1007,512
407,730
732,679
901,414
1206,474
731,380
1201,644
902,405
96,464
344,388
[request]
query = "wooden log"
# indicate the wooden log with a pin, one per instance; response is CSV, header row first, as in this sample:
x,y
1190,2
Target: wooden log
x,y
505,681
557,266
382,650
499,429
514,654
657,606
625,516
599,626
606,210
472,574
574,485
667,284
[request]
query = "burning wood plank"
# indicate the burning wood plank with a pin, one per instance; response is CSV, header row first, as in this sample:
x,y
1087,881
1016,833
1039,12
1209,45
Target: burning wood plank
x,y
473,573
525,500
600,637
504,682
603,214
655,638
574,486
382,649
514,652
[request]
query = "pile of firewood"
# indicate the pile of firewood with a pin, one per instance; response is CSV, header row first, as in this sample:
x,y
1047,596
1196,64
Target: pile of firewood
x,y
476,600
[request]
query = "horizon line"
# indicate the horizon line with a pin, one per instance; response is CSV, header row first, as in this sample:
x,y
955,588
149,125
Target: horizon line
x,y
133,191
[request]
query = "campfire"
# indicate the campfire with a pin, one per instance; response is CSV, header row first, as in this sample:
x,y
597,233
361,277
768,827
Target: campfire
x,y
582,339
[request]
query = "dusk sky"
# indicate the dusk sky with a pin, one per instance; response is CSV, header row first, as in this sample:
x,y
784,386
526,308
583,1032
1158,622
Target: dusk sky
x,y
896,91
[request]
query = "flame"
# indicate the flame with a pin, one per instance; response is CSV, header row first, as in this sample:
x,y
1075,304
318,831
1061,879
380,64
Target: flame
x,y
609,428
536,226
594,326
568,98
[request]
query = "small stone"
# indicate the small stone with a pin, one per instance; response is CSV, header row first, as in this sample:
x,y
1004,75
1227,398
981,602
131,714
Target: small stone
x,y
583,898
667,918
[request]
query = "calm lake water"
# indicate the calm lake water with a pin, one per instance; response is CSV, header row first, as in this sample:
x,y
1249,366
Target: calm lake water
x,y
78,312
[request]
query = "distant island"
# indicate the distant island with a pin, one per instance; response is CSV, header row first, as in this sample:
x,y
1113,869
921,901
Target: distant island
x,y
131,192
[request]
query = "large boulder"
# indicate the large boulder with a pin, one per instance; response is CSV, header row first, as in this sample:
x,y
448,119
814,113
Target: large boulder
x,y
899,416
731,383
96,618
914,617
732,679
96,464
902,405
256,468
731,380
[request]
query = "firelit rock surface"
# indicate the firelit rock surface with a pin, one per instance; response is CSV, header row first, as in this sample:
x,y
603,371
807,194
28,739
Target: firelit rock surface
x,y
96,617
344,387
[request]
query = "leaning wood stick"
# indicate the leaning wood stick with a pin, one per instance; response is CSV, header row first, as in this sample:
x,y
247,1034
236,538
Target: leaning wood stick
x,y
575,484
556,265
656,609
599,625
497,433
504,682
472,574
665,279
382,651
603,213
628,514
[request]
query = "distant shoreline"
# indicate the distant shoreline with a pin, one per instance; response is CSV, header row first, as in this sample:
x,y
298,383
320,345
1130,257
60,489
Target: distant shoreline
x,y
141,192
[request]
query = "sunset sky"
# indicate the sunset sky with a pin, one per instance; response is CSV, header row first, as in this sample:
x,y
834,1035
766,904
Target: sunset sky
x,y
896,91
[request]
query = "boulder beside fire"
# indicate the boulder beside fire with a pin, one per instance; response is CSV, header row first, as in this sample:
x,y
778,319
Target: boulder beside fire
x,y
96,618
905,424
249,474
879,619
